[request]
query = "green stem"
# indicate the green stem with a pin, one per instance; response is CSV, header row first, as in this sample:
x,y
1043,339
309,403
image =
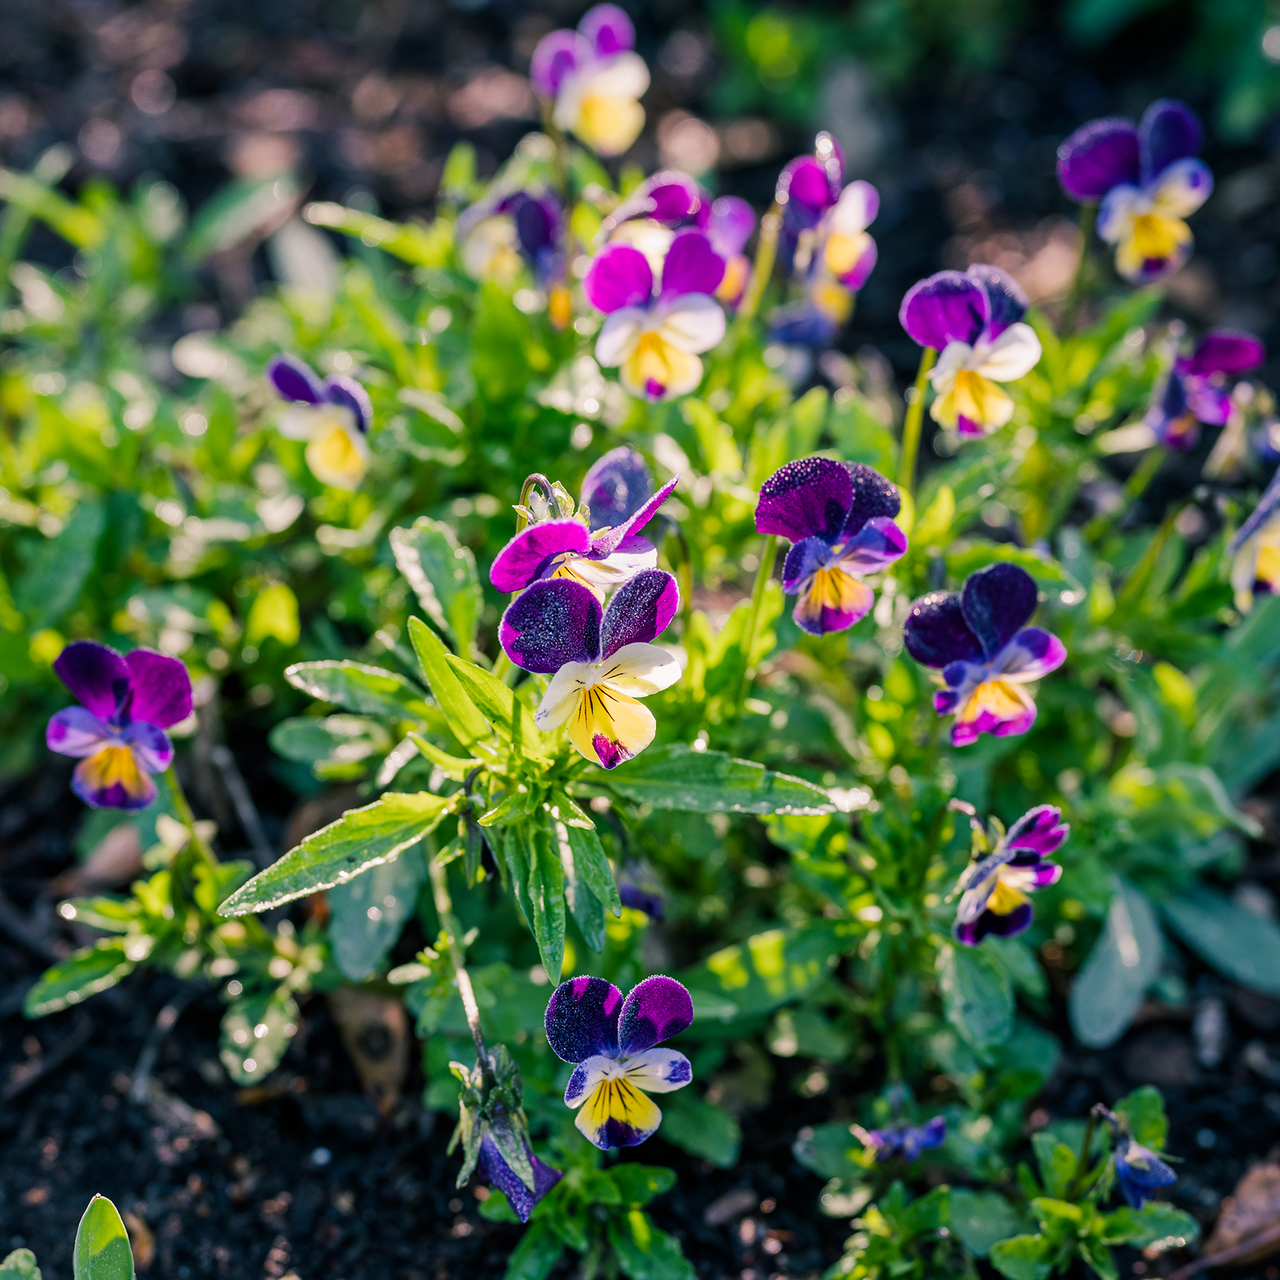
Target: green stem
x,y
1082,1161
684,575
911,425
767,556
762,267
457,961
1085,223
186,817
1134,488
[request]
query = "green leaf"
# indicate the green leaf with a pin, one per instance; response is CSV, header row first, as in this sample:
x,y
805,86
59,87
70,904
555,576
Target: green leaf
x,y
589,862
57,568
644,1252
70,220
418,243
1144,1109
356,687
256,1031
82,974
587,908
977,996
495,1207
370,911
1056,1162
981,1218
701,1128
274,612
1098,1256
360,839
537,880
638,1184
236,212
19,1265
464,720
830,1150
443,576
1240,945
102,1244
1157,1224
678,777
927,1214
1023,1257
1123,964
497,701
341,738
535,1257
1018,960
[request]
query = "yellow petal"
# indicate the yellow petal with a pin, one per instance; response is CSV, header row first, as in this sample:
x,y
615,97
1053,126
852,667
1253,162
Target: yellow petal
x,y
1005,899
336,459
973,397
608,727
658,369
1151,238
609,125
617,1114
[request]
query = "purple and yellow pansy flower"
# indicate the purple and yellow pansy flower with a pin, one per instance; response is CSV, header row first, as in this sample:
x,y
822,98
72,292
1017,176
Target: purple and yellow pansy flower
x,y
903,1141
333,416
1198,388
118,731
1145,180
995,887
498,1173
594,80
973,319
654,331
566,548
1255,570
600,661
840,519
614,1046
985,652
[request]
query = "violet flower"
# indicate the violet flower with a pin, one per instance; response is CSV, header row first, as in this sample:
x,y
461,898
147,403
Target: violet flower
x,y
333,415
615,487
1139,1171
498,1173
839,517
1256,547
987,654
905,1141
1146,182
974,320
996,885
594,80
118,733
1198,388
600,661
613,1044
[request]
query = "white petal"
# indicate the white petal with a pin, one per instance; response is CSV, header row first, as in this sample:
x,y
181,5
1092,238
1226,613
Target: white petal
x,y
626,76
639,669
615,569
1118,209
561,697
693,323
586,1076
619,335
1014,353
856,209
1183,187
304,421
658,1070
955,356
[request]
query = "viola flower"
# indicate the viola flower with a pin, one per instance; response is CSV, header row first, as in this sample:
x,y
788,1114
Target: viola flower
x,y
904,1141
498,1173
496,235
600,661
638,899
654,336
615,487
333,415
613,1043
986,652
974,319
1146,181
729,228
1198,389
996,886
1139,1171
839,517
118,734
566,548
594,80
1256,548
807,188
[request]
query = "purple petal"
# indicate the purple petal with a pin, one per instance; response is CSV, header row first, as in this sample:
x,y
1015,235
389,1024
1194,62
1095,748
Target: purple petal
x,y
801,324
732,222
150,746
161,688
608,30
638,899
498,1173
1007,303
936,633
691,265
607,541
1098,156
873,496
919,1138
997,603
804,559
97,675
669,197
654,1010
640,610
1267,507
1032,654
807,497
294,380
947,307
619,277
553,622
1224,351
533,552
537,220
1211,404
1043,873
1169,131
1017,921
582,1019
76,731
858,274
1039,830
348,393
878,543
615,487
559,53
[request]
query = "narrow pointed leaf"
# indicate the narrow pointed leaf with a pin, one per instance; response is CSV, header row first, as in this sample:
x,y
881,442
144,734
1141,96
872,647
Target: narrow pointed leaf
x,y
464,719
102,1244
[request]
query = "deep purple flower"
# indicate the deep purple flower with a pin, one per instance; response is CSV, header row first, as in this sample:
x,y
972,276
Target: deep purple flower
x,y
1139,1171
974,320
1146,181
613,1042
638,899
987,654
498,1173
904,1141
333,415
1198,388
616,486
118,733
839,517
996,886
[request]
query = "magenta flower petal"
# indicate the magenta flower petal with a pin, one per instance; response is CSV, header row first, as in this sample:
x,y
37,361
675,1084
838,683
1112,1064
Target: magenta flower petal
x,y
1005,298
532,554
150,746
1098,156
669,197
294,380
937,635
1040,831
582,1019
1169,131
640,610
731,224
860,272
1032,654
608,30
97,675
498,1173
654,1010
806,191
161,688
873,496
553,622
607,541
691,265
558,54
806,497
619,277
947,307
76,731
615,487
997,602
1224,351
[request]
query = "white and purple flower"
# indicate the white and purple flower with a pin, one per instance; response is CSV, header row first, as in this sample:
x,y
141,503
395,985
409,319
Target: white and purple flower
x,y
333,416
1255,570
840,519
1198,388
986,653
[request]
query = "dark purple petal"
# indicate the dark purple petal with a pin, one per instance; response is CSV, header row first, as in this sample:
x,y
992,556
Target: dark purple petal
x,y
533,553
919,1138
731,224
640,610
1169,131
691,265
498,1173
553,622
669,197
1040,831
582,1019
608,30
97,675
811,496
1017,921
1007,302
615,487
877,544
873,496
1098,156
947,307
150,746
161,688
607,541
1267,507
537,222
936,634
1224,351
1210,403
638,899
654,1010
558,54
619,277
77,732
1140,1171
804,559
998,601
348,393
294,380
801,324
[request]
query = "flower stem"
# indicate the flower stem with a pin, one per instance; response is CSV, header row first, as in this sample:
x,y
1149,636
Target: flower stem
x,y
1134,488
1085,223
449,927
767,556
911,424
1082,1161
186,817
762,267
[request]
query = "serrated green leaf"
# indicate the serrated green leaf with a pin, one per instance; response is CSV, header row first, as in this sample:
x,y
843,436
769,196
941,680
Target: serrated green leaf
x,y
1056,1162
977,996
357,687
537,880
255,1034
1240,945
443,576
589,862
461,713
82,974
102,1244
